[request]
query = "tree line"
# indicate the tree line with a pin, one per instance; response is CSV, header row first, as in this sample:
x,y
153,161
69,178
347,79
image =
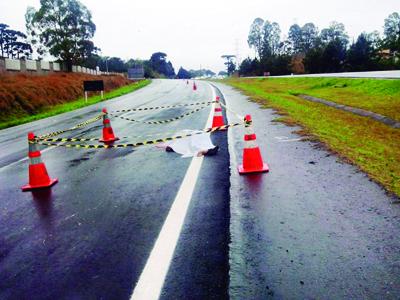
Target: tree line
x,y
13,43
309,50
64,29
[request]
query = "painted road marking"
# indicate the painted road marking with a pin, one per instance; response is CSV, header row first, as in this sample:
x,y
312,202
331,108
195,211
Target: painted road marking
x,y
24,159
152,279
286,139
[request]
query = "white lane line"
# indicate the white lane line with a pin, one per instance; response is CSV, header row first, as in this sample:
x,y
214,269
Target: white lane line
x,y
25,158
152,279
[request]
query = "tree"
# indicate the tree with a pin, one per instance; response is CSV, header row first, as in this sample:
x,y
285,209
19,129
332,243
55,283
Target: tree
x,y
309,37
302,39
335,31
312,60
3,38
64,28
248,67
271,39
360,55
159,64
333,57
183,74
202,73
116,64
13,43
230,65
32,35
392,32
20,50
295,38
255,37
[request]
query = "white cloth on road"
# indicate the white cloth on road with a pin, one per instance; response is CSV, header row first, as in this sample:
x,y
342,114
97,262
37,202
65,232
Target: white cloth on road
x,y
190,146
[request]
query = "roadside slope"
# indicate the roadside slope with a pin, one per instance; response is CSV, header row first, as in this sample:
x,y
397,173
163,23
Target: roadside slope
x,y
25,98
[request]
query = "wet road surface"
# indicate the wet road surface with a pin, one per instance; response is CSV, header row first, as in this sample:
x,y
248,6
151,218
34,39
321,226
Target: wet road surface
x,y
89,237
313,227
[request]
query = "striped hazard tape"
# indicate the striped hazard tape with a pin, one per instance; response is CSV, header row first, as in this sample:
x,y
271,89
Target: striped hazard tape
x,y
161,121
53,142
64,140
80,125
162,107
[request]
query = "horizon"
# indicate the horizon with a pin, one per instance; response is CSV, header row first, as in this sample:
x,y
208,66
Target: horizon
x,y
190,37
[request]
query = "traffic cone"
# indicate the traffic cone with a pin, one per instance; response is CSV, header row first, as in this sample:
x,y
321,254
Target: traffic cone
x,y
108,133
218,119
194,86
252,160
38,177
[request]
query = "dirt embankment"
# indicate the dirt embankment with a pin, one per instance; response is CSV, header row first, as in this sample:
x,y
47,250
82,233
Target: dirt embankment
x,y
22,95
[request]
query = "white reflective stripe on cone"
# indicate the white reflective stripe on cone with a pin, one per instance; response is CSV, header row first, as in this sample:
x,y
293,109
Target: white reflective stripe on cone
x,y
249,130
35,160
250,144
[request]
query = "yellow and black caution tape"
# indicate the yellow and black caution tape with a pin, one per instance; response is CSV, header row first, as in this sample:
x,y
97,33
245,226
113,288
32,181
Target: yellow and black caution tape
x,y
162,107
64,140
150,142
80,125
161,121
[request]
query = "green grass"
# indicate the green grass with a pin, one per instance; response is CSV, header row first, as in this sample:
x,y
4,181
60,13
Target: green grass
x,y
379,96
73,105
371,145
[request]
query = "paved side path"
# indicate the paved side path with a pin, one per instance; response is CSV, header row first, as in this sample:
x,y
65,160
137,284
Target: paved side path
x,y
313,227
357,111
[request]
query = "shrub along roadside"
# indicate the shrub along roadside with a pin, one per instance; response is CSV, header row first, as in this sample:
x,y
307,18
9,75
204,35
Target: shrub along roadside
x,y
372,146
49,111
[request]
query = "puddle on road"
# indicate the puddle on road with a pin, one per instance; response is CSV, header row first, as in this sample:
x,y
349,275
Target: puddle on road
x,y
116,153
84,157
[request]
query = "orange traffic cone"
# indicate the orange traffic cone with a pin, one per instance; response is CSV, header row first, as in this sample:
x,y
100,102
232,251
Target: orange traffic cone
x,y
108,133
252,160
218,119
194,86
38,177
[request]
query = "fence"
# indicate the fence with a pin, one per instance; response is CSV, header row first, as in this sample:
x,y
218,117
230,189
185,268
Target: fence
x,y
43,67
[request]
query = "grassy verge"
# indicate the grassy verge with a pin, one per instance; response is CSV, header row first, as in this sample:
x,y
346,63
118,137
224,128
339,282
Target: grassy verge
x,y
379,96
372,146
73,105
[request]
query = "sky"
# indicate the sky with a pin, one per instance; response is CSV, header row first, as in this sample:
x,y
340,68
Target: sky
x,y
195,34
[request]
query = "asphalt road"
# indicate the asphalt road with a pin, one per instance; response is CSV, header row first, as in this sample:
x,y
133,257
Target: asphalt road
x,y
313,227
91,235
